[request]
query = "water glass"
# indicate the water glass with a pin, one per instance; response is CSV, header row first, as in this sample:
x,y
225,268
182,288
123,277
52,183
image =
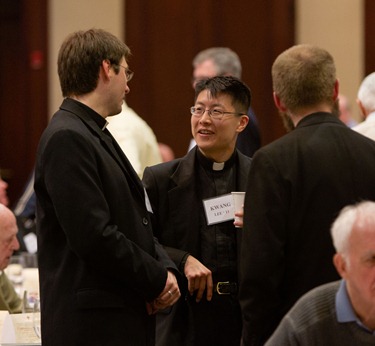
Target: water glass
x,y
14,272
36,318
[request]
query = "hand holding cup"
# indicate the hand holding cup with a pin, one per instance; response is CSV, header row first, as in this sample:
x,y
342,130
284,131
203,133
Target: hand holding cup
x,y
238,202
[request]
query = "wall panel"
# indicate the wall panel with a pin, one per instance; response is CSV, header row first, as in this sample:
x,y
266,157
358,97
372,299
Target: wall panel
x,y
165,35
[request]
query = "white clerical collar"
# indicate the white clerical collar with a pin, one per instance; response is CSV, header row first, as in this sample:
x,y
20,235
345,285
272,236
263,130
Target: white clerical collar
x,y
218,166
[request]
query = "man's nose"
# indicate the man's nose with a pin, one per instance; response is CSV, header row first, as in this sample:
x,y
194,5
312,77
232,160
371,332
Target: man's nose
x,y
15,244
206,115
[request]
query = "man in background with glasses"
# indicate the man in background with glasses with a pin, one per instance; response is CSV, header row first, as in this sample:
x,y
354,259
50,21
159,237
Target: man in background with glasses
x,y
102,274
190,197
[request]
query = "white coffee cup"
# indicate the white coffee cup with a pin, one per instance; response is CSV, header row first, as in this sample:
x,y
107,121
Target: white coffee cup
x,y
238,201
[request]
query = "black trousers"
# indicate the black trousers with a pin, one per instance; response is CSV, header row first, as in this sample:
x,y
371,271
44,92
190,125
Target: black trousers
x,y
217,322
188,323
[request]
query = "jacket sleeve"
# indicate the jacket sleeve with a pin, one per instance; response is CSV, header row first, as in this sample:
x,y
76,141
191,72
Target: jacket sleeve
x,y
157,193
262,251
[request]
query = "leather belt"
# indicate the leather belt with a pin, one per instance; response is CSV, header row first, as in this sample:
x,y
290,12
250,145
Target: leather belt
x,y
226,287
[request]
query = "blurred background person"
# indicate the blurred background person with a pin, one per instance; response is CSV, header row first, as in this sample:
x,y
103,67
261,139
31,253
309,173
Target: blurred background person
x,y
366,103
346,115
166,152
9,299
25,212
136,139
222,61
3,192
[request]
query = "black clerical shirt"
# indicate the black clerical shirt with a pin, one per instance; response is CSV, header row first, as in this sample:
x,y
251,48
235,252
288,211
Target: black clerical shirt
x,y
218,241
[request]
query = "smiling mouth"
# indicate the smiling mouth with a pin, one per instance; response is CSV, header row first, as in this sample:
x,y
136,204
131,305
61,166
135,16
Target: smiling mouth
x,y
205,132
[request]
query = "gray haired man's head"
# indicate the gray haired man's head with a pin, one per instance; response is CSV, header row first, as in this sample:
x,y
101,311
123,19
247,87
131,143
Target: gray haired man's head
x,y
216,61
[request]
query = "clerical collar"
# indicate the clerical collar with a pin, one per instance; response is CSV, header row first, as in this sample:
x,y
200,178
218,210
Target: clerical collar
x,y
215,166
99,120
105,125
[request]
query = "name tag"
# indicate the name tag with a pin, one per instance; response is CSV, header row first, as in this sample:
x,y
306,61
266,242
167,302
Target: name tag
x,y
219,209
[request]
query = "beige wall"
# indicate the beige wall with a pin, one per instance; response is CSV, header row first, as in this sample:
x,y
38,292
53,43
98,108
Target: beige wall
x,y
66,16
336,25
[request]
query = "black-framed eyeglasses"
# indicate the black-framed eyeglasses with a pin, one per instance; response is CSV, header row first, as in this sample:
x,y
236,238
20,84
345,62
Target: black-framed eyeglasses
x,y
215,113
128,73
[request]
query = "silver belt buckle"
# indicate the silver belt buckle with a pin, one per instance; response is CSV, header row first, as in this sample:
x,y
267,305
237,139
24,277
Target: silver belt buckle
x,y
218,287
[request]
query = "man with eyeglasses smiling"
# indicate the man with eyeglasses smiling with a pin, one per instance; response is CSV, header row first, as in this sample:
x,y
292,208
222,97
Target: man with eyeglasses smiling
x,y
189,197
223,61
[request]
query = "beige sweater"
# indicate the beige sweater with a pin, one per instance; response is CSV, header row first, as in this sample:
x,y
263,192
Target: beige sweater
x,y
9,300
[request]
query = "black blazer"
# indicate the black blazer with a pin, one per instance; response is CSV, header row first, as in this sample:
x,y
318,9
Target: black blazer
x,y
297,186
98,261
172,189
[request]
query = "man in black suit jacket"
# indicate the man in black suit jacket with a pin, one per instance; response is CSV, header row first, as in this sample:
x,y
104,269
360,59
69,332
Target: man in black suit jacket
x,y
296,187
202,243
102,274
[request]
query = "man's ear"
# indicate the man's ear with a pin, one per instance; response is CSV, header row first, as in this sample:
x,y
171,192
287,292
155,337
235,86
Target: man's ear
x,y
336,90
363,109
279,104
105,68
340,264
244,120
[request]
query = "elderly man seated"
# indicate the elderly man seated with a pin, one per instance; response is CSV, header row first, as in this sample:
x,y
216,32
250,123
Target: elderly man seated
x,y
9,300
342,312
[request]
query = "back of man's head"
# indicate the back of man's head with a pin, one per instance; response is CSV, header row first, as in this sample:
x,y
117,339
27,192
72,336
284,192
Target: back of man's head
x,y
80,58
225,60
366,93
304,76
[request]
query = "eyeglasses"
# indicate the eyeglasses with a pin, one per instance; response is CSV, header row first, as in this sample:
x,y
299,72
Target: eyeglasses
x,y
128,73
216,114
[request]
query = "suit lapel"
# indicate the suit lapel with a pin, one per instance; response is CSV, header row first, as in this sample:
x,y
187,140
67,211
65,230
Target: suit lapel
x,y
185,205
242,176
109,144
122,160
242,171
